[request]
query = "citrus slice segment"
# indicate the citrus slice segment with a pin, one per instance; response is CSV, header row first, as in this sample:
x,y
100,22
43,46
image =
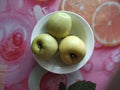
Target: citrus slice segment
x,y
106,23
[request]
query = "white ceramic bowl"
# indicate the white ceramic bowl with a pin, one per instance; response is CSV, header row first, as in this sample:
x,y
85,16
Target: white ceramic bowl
x,y
80,28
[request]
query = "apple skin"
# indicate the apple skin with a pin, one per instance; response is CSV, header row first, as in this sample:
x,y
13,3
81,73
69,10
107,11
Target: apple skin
x,y
59,24
44,46
72,50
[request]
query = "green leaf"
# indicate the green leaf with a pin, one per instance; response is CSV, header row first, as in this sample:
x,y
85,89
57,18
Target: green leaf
x,y
82,85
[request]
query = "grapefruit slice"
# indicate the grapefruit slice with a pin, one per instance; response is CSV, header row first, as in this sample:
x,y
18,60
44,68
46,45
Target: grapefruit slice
x,y
51,81
106,23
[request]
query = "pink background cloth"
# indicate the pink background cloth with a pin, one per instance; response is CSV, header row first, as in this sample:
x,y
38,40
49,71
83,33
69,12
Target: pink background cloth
x,y
18,69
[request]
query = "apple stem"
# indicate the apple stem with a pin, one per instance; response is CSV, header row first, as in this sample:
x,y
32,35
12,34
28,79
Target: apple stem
x,y
72,55
39,45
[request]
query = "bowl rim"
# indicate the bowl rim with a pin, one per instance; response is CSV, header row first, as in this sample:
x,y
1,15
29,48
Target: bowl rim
x,y
75,67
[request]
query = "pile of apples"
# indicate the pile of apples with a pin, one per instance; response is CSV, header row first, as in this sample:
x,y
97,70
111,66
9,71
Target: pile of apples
x,y
58,39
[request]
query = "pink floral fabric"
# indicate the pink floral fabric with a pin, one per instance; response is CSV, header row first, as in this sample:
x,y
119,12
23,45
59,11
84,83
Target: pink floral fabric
x,y
18,69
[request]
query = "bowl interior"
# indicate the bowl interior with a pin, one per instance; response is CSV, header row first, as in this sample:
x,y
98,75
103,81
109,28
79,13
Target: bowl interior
x,y
81,29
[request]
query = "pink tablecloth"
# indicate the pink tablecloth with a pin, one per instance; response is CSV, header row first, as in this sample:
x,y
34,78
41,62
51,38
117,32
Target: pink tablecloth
x,y
18,69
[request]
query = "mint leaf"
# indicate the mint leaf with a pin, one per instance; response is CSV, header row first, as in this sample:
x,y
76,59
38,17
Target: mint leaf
x,y
82,85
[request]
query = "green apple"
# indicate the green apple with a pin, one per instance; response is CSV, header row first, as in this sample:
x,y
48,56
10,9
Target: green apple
x,y
59,24
72,50
44,46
